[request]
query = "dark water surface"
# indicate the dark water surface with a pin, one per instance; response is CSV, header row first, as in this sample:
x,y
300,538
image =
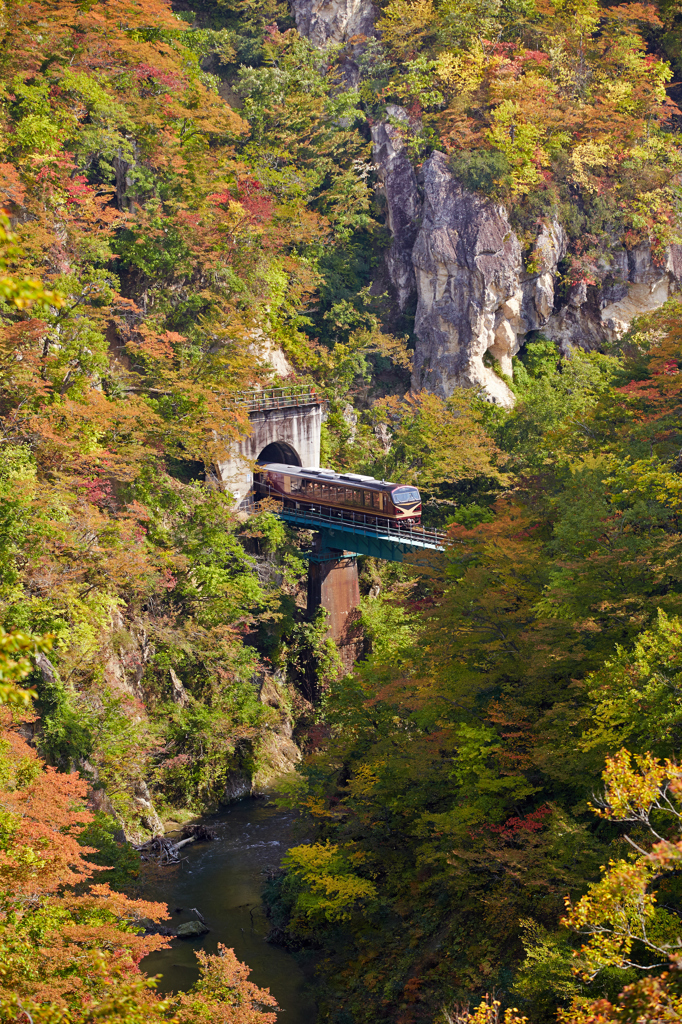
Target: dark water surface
x,y
224,880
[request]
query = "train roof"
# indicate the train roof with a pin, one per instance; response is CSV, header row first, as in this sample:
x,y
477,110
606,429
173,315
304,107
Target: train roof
x,y
328,474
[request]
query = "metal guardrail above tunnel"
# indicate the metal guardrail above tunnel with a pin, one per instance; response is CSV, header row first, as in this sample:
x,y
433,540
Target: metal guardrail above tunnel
x,y
292,396
359,534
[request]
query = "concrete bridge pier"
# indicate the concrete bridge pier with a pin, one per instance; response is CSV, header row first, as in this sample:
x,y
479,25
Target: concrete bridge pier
x,y
333,585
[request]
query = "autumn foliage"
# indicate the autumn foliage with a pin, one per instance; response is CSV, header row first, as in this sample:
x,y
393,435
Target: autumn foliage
x,y
69,949
160,246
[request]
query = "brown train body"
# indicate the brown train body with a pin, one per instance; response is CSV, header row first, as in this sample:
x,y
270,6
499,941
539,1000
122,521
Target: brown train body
x,y
348,493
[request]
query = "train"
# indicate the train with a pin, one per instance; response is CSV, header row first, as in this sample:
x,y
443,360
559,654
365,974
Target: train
x,y
347,495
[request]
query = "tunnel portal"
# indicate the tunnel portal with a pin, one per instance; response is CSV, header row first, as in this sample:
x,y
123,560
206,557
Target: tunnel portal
x,y
281,429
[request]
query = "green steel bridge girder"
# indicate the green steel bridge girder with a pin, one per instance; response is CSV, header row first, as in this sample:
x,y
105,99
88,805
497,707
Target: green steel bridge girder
x,y
334,542
419,547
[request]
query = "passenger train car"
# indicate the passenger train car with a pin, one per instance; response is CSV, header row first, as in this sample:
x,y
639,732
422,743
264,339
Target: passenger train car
x,y
347,493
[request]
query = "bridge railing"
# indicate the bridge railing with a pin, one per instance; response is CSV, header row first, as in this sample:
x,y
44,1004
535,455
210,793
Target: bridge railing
x,y
348,521
279,398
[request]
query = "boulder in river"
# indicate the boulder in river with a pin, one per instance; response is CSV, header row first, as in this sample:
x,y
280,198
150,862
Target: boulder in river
x,y
191,929
155,928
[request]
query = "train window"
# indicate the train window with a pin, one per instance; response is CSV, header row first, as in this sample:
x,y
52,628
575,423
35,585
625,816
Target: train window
x,y
317,489
349,496
368,499
376,499
295,484
325,491
405,495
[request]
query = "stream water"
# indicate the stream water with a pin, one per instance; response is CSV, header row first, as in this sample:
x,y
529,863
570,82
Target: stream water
x,y
224,880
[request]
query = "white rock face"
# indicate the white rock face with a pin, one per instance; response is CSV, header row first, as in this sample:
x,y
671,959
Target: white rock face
x,y
403,203
474,294
458,252
333,21
629,283
267,353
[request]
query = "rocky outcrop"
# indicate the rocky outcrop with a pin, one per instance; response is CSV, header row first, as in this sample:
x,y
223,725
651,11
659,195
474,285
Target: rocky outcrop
x,y
626,284
278,753
238,785
475,297
333,21
144,818
479,295
269,355
403,203
48,672
179,694
126,658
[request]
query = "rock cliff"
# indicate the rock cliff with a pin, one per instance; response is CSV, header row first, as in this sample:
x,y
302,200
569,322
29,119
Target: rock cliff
x,y
475,298
403,203
478,293
333,21
626,284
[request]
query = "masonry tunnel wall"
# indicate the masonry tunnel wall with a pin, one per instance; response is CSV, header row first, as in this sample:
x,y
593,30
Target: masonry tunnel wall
x,y
293,431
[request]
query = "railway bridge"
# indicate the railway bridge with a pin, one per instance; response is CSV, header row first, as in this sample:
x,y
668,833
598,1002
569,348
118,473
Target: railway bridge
x,y
286,427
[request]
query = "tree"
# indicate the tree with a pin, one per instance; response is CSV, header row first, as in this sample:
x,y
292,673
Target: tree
x,y
15,666
435,442
621,915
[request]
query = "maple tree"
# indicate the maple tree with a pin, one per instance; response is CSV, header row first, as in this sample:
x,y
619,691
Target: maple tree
x,y
562,107
463,750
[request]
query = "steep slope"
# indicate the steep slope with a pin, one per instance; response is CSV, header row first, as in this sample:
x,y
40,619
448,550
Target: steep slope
x,y
178,247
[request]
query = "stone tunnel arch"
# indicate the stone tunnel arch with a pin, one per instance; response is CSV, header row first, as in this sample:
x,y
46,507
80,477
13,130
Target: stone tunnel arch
x,y
290,434
280,451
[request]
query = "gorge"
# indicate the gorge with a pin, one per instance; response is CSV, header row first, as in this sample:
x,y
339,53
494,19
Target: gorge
x,y
431,242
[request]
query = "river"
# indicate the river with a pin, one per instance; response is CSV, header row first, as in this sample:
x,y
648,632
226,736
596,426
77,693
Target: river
x,y
224,881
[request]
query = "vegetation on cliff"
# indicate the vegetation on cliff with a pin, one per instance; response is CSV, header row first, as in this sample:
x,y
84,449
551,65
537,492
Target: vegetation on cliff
x,y
560,108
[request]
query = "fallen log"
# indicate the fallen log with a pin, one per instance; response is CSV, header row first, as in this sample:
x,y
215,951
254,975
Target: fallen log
x,y
184,842
159,848
166,851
